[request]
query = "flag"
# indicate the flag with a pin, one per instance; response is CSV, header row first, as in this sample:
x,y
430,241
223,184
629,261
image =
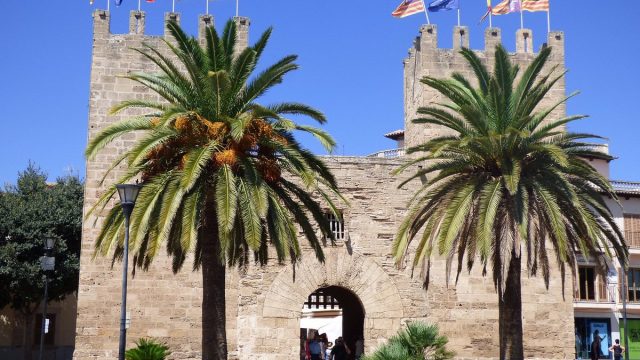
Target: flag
x,y
506,7
439,5
535,5
488,11
118,2
151,1
408,7
90,2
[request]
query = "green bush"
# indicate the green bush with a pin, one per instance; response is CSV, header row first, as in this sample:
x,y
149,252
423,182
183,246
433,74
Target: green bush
x,y
418,341
148,349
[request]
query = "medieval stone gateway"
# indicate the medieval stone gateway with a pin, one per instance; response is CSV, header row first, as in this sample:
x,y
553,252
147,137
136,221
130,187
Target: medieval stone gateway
x,y
264,304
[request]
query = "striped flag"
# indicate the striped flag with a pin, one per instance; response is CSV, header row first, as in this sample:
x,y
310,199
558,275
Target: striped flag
x,y
506,7
535,5
408,7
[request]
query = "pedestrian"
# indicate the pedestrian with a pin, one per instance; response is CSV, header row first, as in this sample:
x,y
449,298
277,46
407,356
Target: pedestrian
x,y
617,350
340,350
596,346
315,349
327,352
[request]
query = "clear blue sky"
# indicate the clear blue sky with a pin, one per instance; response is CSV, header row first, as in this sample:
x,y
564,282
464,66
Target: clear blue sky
x,y
351,68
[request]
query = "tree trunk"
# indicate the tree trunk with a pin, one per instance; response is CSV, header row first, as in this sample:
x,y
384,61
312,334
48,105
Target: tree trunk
x,y
27,337
510,314
214,334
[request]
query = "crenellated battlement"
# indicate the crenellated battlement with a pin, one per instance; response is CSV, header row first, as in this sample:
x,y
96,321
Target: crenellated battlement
x,y
428,39
137,25
426,58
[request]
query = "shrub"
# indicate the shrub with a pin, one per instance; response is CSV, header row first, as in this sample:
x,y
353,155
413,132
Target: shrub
x,y
148,349
418,341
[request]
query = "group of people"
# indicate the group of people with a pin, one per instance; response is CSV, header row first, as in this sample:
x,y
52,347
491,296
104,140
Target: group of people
x,y
319,348
596,347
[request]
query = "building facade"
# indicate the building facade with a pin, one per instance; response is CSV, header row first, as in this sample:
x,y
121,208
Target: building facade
x,y
266,305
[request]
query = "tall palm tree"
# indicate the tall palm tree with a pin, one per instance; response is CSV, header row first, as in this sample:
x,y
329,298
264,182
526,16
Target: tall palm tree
x,y
223,176
507,181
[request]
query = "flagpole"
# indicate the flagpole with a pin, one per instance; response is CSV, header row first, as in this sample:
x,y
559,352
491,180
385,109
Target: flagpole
x,y
549,19
458,15
139,5
490,7
425,12
108,4
207,7
173,6
237,7
521,18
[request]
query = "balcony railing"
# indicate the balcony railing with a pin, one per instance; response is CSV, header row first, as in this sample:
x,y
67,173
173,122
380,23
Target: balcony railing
x,y
632,238
390,153
603,293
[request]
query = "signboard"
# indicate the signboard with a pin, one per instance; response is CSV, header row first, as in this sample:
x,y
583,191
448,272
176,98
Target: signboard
x,y
634,337
603,329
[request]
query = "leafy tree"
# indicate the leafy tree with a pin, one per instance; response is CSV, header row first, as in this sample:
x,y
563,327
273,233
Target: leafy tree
x,y
418,341
224,176
148,349
30,212
507,181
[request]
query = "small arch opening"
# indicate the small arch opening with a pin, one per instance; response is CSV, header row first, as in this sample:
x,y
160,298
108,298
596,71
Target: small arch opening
x,y
329,313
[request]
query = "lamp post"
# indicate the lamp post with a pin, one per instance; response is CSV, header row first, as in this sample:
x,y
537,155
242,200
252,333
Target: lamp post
x,y
128,194
47,263
624,310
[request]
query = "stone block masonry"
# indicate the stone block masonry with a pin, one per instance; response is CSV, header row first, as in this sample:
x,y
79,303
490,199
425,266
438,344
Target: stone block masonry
x,y
264,304
427,59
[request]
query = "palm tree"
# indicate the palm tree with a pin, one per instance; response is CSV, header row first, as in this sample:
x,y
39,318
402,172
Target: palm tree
x,y
223,176
418,341
507,179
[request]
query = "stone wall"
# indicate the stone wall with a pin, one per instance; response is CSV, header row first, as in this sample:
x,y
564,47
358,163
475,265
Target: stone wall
x,y
264,303
427,59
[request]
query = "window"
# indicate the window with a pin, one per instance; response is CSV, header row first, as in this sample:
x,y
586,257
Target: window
x,y
586,283
336,224
49,337
319,299
632,229
633,283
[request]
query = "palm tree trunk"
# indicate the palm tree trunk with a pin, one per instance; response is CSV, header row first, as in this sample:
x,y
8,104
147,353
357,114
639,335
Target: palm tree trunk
x,y
27,338
510,314
214,334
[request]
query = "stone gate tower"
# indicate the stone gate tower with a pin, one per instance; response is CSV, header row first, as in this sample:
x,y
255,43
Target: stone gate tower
x,y
426,59
265,304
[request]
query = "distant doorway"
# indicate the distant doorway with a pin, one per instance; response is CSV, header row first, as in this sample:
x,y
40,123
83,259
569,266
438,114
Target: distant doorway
x,y
332,311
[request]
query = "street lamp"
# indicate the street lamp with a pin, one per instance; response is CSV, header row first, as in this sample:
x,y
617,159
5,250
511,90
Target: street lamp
x,y
624,308
47,263
128,194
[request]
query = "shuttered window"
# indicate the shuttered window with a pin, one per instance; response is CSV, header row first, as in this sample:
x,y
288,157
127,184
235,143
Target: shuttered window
x,y
632,229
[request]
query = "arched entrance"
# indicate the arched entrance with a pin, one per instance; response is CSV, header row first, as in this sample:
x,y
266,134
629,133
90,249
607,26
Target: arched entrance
x,y
333,311
349,276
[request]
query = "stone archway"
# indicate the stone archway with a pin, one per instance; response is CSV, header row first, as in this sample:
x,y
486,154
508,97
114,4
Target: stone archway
x,y
355,272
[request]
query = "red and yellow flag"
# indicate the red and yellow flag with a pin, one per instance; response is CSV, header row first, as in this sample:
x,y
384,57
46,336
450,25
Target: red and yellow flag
x,y
535,5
